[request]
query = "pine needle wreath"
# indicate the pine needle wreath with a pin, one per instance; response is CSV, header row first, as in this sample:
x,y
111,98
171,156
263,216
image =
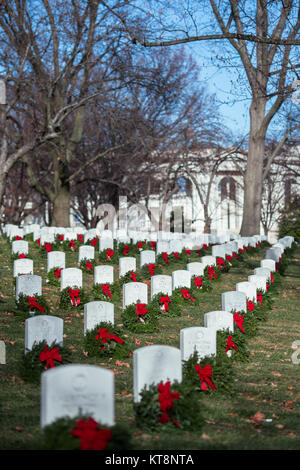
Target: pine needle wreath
x,y
25,308
205,285
146,270
30,365
189,301
87,266
212,273
185,414
109,347
99,293
163,308
59,435
126,249
65,302
15,256
108,257
223,373
148,323
242,353
53,276
129,277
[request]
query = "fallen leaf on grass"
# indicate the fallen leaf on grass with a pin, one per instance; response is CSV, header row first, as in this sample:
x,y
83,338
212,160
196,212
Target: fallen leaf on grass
x,y
137,342
205,436
258,418
277,374
125,394
85,353
171,336
148,343
279,426
19,428
118,372
290,388
120,364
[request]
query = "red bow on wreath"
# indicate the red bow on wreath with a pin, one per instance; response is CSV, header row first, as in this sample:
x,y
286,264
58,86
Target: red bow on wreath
x,y
33,304
39,242
230,344
57,272
250,305
176,254
109,254
48,247
80,238
205,246
205,376
89,265
229,258
151,268
61,238
259,298
105,335
165,300
50,355
133,276
220,263
153,245
186,295
22,255
91,438
165,257
272,277
198,282
106,290
165,399
94,241
140,311
140,245
18,237
74,294
188,252
126,249
239,320
72,245
211,272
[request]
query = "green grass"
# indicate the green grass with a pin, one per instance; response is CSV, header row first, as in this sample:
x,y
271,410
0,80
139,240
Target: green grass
x,y
269,383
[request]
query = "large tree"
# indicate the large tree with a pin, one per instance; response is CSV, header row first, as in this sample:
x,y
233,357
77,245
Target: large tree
x,y
262,34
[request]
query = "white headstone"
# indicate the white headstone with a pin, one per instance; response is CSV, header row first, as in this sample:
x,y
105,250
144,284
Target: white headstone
x,y
103,274
106,243
181,278
147,257
269,264
19,246
259,281
219,320
56,259
218,251
201,339
97,312
70,390
248,288
196,269
126,264
43,328
161,283
134,292
155,364
265,272
86,251
28,285
23,266
70,277
233,300
208,261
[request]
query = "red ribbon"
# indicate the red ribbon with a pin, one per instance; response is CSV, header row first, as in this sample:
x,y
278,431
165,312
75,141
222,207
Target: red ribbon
x,y
89,265
91,438
109,254
188,252
48,247
186,295
235,255
57,272
220,263
211,272
151,268
198,281
272,277
205,376
72,245
176,254
267,287
126,249
230,344
80,238
133,276
140,245
22,255
94,241
241,250
61,238
229,258
239,320
153,245
259,298
205,246
165,257
250,305
165,300
49,355
276,267
33,304
105,335
18,237
140,310
74,294
39,242
166,399
106,290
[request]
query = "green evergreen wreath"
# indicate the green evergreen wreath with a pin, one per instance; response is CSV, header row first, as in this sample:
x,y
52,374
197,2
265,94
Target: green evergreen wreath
x,y
242,354
185,414
111,348
127,278
174,309
131,249
52,279
15,256
102,257
223,372
23,306
145,272
65,299
148,323
98,294
58,436
205,286
179,299
83,266
213,279
30,365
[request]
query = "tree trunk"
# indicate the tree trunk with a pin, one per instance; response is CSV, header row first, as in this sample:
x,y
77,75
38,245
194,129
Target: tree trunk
x,y
253,180
61,208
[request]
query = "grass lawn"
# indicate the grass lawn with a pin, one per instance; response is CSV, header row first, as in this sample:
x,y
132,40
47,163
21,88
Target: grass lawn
x,y
262,413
